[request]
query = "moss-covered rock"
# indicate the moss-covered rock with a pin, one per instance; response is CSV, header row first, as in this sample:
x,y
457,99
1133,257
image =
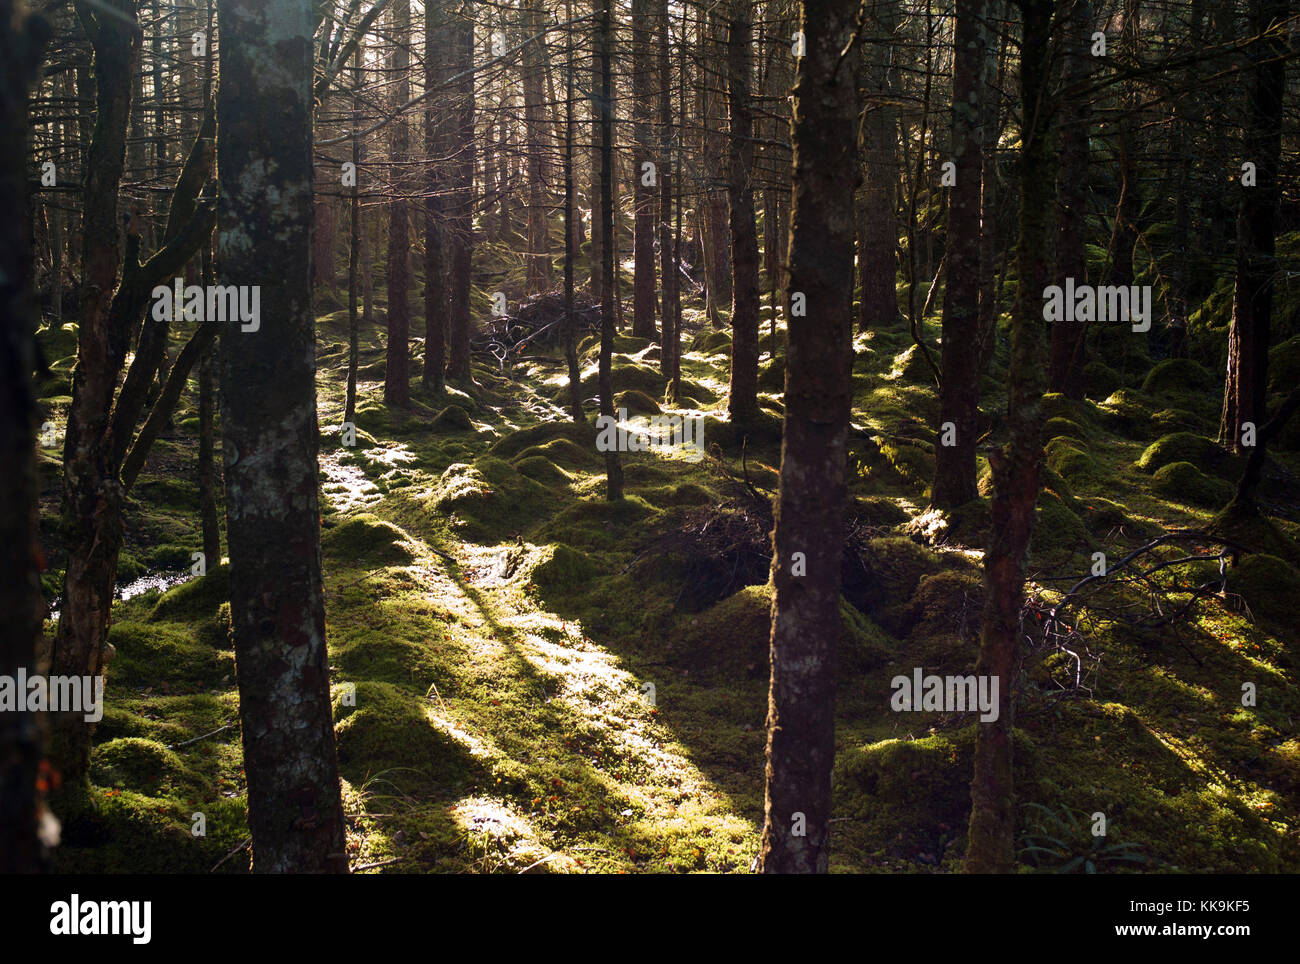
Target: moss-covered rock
x,y
1269,585
367,539
565,571
1072,462
1179,376
1100,380
453,418
913,460
580,435
1184,482
137,763
894,566
1187,447
195,599
1065,428
709,342
636,403
490,499
1056,528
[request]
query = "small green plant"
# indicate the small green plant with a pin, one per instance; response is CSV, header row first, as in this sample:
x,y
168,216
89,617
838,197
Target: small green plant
x,y
1062,843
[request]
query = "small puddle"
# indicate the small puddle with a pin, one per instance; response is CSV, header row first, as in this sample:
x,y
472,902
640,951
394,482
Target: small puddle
x,y
161,580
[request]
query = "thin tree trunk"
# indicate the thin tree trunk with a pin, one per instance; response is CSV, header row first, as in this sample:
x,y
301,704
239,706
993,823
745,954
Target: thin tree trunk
x,y
604,44
1017,463
435,144
397,384
742,401
644,189
879,306
1246,382
959,394
460,225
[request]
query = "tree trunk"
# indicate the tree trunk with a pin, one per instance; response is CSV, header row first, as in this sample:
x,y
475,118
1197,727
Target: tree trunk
x,y
604,44
1065,372
397,380
435,144
668,164
270,433
354,241
742,400
22,39
959,393
539,266
809,534
1246,382
644,189
460,224
879,307
1016,464
92,497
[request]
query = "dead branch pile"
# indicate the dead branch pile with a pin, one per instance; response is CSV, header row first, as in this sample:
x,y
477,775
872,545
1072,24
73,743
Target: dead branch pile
x,y
536,321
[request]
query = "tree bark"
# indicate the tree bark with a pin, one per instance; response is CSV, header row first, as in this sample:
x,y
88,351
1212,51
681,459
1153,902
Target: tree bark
x,y
1017,462
531,67
22,39
604,44
808,539
460,225
643,231
959,394
1246,382
270,445
397,379
435,145
742,400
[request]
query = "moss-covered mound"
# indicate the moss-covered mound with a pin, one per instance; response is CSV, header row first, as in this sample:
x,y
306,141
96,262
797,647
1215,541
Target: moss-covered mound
x,y
391,737
1184,482
1180,376
453,418
636,403
196,598
167,656
137,764
1186,447
1269,585
366,539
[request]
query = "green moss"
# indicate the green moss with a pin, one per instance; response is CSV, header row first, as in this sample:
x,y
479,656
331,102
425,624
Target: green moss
x,y
709,342
1186,447
894,566
365,539
1269,585
912,460
1100,380
636,403
389,736
878,511
1284,365
564,453
169,557
945,615
596,523
453,418
580,435
565,571
1179,376
490,499
543,470
1071,462
136,763
129,567
1184,482
1065,428
1056,528
195,599
166,656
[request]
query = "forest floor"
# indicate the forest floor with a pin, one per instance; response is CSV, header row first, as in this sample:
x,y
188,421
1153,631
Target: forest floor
x,y
527,677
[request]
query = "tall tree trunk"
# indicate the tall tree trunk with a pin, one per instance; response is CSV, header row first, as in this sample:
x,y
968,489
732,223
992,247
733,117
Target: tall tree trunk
x,y
1065,372
1016,463
1246,383
570,236
604,45
644,189
354,241
277,608
668,164
879,268
397,379
742,401
460,223
809,534
597,248
92,496
22,38
959,393
539,242
435,145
